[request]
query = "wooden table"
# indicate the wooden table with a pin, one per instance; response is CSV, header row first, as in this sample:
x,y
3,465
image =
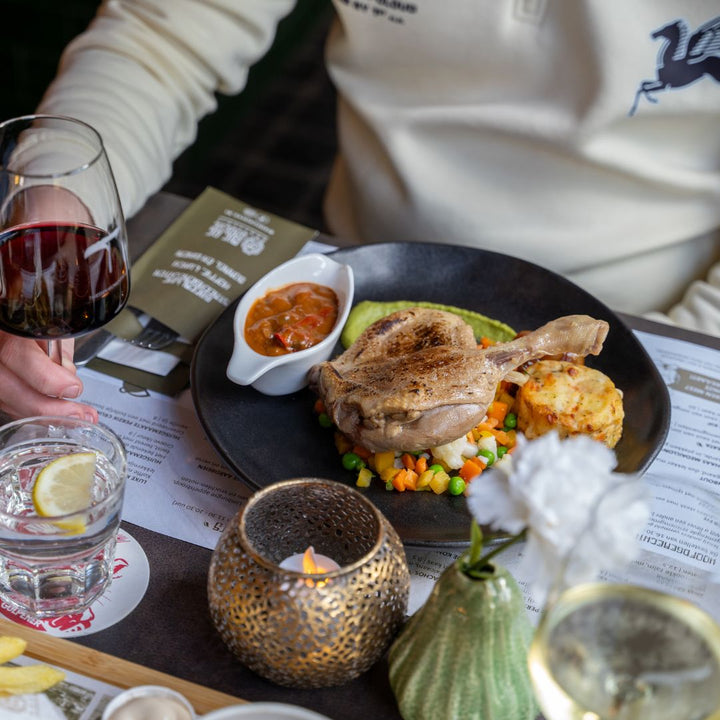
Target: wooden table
x,y
171,631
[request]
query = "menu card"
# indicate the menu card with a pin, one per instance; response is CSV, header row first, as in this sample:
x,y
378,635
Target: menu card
x,y
209,256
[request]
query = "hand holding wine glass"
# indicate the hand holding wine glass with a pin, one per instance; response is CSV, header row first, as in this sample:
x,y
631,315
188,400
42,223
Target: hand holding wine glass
x,y
63,244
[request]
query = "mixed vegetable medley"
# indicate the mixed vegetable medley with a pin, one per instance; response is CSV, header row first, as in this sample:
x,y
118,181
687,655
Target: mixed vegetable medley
x,y
448,468
560,394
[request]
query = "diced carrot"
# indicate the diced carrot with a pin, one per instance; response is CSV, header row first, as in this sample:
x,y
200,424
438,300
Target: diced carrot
x,y
502,437
486,342
421,465
408,461
398,480
319,406
362,452
487,425
410,480
469,470
497,410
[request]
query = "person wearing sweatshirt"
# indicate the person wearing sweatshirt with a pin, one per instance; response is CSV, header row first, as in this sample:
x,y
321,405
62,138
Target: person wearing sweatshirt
x,y
572,133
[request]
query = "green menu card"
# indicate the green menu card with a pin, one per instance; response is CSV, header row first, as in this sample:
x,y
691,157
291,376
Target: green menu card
x,y
215,250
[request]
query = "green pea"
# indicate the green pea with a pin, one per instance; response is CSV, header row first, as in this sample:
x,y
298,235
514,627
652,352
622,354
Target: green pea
x,y
456,486
436,468
510,421
324,420
389,485
501,451
352,461
489,455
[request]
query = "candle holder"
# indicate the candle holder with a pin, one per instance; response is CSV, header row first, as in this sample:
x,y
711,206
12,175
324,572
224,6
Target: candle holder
x,y
300,629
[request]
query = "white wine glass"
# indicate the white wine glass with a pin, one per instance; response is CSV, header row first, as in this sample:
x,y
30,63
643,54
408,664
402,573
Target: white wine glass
x,y
64,267
635,644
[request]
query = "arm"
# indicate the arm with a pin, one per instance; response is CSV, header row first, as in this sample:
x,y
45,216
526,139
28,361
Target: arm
x,y
700,308
146,71
143,74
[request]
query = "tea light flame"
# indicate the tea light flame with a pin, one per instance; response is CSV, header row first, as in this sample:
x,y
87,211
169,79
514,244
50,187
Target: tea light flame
x,y
309,563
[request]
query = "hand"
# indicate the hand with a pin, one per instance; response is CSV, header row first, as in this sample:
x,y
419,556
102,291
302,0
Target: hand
x,y
40,202
32,384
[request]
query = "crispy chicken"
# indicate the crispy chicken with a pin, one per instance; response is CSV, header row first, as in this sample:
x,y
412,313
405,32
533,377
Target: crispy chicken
x,y
417,379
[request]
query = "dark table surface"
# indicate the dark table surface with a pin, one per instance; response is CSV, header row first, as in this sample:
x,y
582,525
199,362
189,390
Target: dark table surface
x,y
171,630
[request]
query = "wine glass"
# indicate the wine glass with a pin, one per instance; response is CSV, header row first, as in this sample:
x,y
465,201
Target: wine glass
x,y
635,644
64,267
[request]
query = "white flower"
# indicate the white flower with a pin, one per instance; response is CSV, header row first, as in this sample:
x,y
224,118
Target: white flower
x,y
560,491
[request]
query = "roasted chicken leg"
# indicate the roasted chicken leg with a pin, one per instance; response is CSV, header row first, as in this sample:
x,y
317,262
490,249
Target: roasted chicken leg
x,y
416,379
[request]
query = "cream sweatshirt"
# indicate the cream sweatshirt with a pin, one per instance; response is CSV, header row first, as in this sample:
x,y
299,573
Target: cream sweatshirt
x,y
582,135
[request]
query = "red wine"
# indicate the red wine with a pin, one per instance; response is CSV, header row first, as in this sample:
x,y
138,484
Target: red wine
x,y
59,280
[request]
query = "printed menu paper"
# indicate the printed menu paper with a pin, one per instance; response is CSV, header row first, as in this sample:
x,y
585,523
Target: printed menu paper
x,y
177,485
78,697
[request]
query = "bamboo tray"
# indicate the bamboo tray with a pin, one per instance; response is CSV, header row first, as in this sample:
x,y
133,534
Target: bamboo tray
x,y
111,670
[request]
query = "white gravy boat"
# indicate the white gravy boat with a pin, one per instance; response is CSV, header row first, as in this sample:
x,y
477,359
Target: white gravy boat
x,y
283,374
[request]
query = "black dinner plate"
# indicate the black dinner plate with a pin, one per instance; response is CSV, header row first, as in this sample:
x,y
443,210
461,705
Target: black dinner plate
x,y
266,439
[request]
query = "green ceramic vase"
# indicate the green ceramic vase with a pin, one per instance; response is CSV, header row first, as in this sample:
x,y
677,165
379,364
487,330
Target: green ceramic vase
x,y
463,655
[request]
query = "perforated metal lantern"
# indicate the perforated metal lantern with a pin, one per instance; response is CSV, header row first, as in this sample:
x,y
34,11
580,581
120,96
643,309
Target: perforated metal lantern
x,y
308,630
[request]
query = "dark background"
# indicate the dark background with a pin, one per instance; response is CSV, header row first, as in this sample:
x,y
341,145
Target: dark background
x,y
271,146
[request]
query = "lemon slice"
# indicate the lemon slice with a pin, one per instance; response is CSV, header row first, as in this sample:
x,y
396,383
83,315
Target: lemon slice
x,y
64,485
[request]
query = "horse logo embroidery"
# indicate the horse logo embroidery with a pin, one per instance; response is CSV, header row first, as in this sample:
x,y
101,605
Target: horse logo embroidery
x,y
682,60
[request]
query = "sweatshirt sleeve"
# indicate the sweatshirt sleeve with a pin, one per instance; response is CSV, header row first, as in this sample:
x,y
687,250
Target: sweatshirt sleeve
x,y
146,71
700,307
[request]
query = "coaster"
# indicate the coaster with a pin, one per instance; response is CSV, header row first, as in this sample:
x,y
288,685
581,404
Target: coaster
x,y
131,575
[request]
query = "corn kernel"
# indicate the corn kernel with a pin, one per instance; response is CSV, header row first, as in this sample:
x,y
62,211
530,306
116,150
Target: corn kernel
x,y
439,482
364,477
384,460
424,480
389,473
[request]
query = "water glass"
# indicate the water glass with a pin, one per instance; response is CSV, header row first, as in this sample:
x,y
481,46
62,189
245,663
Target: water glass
x,y
57,565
